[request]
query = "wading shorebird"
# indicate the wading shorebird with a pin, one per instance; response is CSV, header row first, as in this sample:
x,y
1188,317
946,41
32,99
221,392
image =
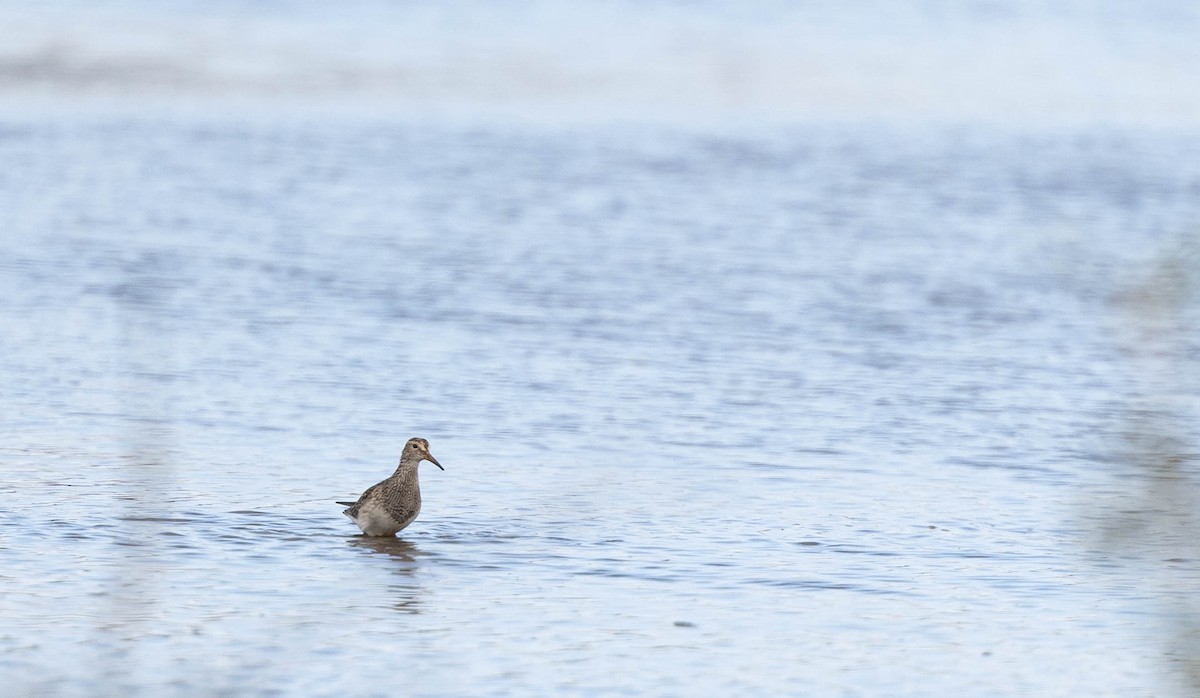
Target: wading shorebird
x,y
389,506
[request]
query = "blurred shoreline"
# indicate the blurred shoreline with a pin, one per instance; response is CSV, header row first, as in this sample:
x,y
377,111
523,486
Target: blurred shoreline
x,y
712,61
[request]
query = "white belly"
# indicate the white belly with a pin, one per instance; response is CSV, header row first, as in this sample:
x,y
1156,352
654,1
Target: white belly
x,y
375,521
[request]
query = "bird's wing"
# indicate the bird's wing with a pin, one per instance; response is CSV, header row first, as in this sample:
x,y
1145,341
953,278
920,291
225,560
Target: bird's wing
x,y
354,505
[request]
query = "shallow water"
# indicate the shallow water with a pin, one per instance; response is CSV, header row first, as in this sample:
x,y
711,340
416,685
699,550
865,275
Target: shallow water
x,y
862,364
818,410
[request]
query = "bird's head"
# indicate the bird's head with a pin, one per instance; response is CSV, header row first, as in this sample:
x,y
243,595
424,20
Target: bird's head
x,y
418,449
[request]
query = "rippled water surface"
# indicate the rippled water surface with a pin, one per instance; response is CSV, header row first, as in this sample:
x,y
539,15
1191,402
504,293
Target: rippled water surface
x,y
796,390
816,410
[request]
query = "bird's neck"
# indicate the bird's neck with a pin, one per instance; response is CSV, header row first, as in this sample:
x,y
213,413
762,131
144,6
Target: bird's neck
x,y
407,467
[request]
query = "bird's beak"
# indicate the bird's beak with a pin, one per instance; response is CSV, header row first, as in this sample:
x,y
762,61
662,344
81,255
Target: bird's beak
x,y
429,457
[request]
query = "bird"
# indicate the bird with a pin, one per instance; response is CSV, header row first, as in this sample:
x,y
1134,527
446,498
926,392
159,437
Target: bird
x,y
388,507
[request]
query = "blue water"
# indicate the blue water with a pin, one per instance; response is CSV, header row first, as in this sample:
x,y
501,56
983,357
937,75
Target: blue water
x,y
807,406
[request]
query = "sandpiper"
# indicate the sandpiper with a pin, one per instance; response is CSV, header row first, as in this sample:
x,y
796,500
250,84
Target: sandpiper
x,y
391,505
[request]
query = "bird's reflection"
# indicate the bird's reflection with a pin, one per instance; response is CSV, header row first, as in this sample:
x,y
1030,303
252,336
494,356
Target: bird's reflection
x,y
402,550
406,555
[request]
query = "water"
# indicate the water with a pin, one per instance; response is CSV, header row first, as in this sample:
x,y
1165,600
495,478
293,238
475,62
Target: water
x,y
820,408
